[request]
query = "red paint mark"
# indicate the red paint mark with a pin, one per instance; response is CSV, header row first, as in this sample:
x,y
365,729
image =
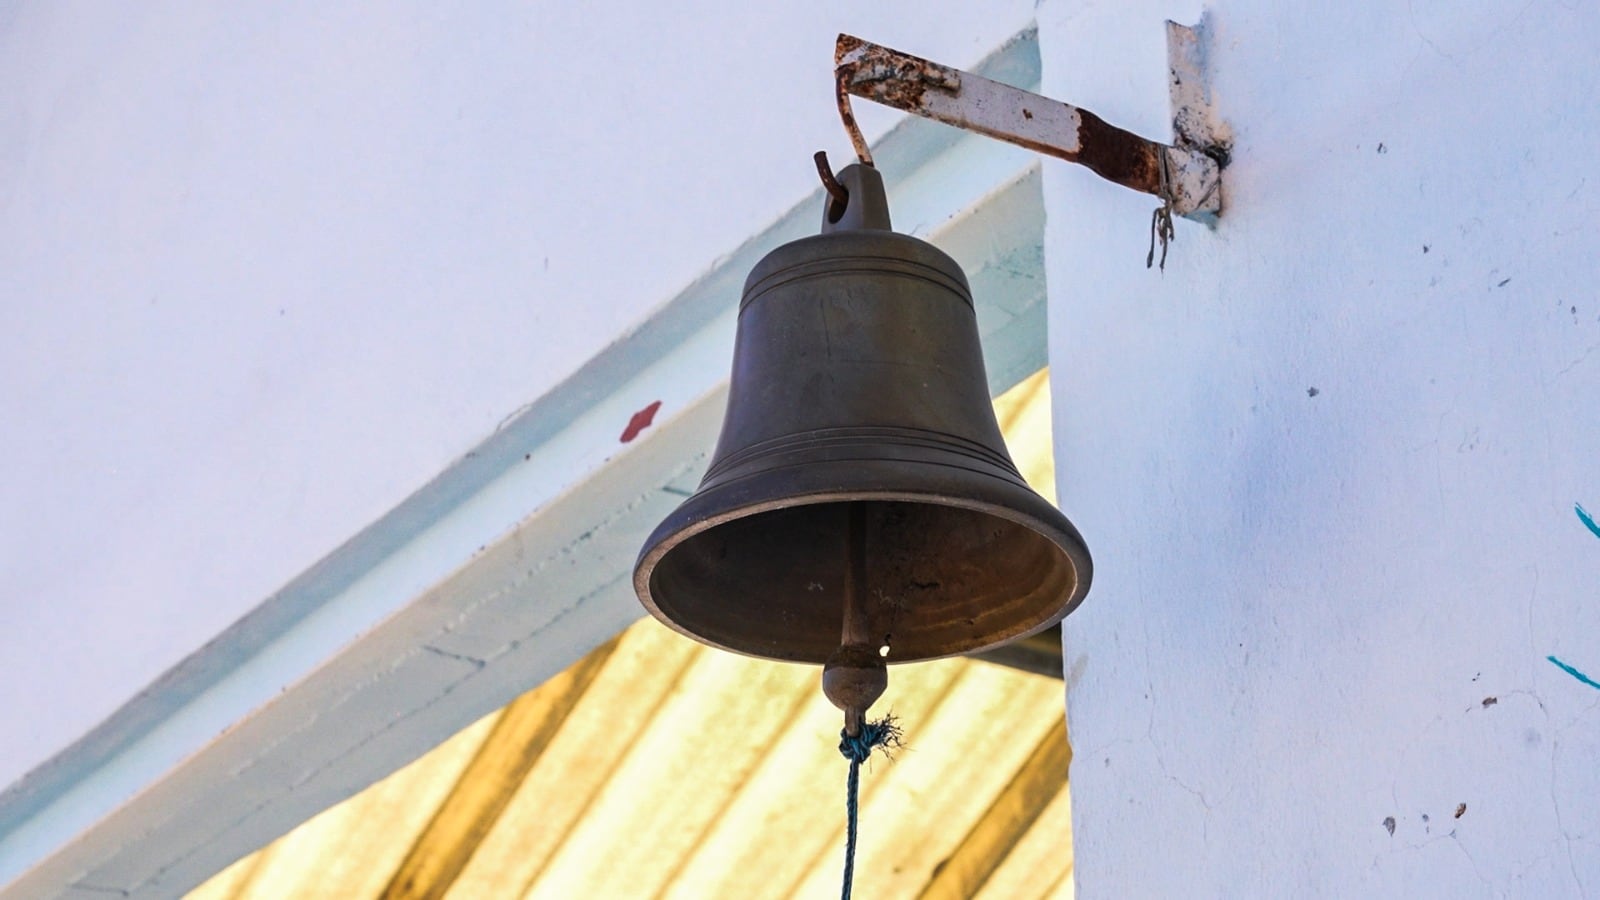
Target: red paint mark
x,y
640,421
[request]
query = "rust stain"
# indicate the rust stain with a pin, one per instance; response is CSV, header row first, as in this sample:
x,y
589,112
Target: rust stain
x,y
889,76
903,81
858,142
900,93
1118,155
844,45
838,194
640,421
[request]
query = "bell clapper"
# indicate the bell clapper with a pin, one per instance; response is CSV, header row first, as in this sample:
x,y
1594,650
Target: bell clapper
x,y
855,676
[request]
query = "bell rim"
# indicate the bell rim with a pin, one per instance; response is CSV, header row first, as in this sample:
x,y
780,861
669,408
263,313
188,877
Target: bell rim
x,y
1066,539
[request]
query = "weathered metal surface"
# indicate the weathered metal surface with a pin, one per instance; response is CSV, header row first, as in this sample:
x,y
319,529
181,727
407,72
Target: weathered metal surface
x,y
1196,129
860,473
838,197
1020,117
903,78
858,141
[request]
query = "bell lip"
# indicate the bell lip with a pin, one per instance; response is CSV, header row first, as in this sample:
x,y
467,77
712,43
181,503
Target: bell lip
x,y
658,545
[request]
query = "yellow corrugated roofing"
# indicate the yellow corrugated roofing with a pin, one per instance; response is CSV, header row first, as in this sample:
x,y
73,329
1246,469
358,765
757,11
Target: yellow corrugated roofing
x,y
656,767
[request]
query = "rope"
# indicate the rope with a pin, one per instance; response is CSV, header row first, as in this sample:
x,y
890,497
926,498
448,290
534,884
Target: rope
x,y
882,733
1161,219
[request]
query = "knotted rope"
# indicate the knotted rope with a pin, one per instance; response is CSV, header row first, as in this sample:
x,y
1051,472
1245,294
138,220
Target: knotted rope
x,y
1161,220
882,733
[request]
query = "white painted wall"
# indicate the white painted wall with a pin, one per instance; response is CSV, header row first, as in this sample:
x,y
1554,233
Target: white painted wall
x,y
1327,464
266,269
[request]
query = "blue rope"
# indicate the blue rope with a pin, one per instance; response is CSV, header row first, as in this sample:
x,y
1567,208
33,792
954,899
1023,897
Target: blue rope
x,y
882,733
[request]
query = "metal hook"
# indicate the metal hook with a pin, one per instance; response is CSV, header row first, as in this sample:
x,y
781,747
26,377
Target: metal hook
x,y
839,194
847,116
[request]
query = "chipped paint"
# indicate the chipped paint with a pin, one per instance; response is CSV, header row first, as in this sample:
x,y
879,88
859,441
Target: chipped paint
x,y
639,422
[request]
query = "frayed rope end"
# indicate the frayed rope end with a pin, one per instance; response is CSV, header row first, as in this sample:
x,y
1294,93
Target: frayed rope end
x,y
882,733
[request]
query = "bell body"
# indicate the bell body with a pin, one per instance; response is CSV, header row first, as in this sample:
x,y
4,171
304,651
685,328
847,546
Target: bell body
x,y
858,380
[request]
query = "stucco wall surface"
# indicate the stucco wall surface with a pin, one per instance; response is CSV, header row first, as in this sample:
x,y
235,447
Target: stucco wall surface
x,y
1345,630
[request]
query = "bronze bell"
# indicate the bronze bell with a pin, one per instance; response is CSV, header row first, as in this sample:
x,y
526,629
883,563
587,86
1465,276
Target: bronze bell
x,y
860,492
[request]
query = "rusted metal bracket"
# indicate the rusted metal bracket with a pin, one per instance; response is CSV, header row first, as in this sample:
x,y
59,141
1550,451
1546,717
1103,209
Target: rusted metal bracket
x,y
1187,174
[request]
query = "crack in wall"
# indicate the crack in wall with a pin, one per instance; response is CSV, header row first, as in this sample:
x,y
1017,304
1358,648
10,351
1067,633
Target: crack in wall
x,y
1555,805
471,660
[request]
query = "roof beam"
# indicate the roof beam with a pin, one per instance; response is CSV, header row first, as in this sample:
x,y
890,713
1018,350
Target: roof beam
x,y
489,782
991,838
1037,653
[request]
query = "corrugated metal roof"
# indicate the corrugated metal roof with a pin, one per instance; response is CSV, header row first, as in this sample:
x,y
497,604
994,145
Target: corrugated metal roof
x,y
656,767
